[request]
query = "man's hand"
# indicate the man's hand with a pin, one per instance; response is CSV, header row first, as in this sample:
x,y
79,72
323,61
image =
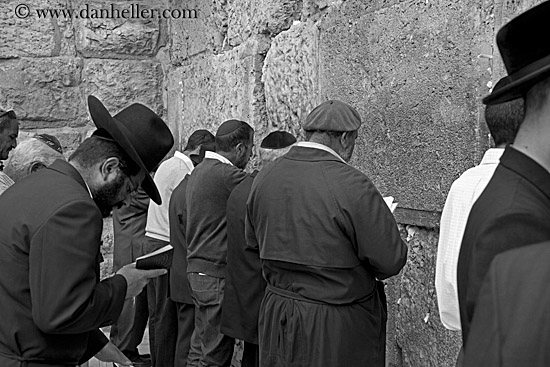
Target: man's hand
x,y
137,279
110,353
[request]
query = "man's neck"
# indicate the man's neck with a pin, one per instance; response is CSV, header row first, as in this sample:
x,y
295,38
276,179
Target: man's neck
x,y
532,140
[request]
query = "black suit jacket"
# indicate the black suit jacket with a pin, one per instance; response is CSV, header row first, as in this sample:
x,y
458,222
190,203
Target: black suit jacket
x,y
512,211
244,283
177,214
51,300
511,324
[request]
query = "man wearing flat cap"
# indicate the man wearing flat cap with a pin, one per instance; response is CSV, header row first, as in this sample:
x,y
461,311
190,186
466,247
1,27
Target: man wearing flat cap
x,y
244,284
325,235
51,298
206,196
514,209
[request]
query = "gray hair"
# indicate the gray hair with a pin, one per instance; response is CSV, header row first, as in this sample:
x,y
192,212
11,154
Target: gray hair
x,y
29,156
269,155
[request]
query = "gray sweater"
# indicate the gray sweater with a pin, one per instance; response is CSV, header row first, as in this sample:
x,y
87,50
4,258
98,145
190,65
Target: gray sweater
x,y
209,187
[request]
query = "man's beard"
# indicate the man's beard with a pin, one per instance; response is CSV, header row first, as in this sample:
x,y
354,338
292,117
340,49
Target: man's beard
x,y
105,197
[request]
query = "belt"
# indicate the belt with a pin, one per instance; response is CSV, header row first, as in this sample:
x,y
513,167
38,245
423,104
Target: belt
x,y
293,295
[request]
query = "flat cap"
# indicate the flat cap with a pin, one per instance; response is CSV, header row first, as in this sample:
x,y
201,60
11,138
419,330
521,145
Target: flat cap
x,y
278,140
333,116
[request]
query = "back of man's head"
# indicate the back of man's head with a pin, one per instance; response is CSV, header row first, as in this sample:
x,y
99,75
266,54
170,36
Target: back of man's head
x,y
197,138
504,120
231,133
96,149
29,156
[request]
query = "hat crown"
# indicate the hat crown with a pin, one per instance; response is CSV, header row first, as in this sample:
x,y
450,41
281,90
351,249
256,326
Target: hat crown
x,y
333,115
522,41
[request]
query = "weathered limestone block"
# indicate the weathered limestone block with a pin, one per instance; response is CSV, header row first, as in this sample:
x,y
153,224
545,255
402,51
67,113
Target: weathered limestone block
x,y
195,35
247,18
422,339
44,92
25,34
291,77
225,86
410,72
174,95
103,30
119,83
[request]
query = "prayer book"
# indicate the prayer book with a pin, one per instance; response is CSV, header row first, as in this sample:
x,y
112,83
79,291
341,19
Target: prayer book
x,y
390,203
159,259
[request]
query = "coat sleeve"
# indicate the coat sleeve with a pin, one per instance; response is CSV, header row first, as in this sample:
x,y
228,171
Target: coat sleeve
x,y
66,297
373,228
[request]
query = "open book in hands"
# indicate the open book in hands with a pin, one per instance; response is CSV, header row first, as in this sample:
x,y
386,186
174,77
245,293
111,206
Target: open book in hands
x,y
159,259
390,203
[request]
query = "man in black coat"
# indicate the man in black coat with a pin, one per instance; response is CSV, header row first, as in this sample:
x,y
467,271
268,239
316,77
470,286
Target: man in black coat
x,y
244,284
511,324
52,301
514,209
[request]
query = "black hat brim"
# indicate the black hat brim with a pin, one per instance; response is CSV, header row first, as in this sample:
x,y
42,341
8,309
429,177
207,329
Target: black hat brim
x,y
516,85
103,120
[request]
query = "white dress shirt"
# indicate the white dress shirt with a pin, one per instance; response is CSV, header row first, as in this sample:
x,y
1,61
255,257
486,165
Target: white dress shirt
x,y
462,195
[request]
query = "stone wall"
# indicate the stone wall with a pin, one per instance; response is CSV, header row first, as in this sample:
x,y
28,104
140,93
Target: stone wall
x,y
415,69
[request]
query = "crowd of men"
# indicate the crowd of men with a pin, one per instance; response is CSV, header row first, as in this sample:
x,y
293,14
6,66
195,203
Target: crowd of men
x,y
289,259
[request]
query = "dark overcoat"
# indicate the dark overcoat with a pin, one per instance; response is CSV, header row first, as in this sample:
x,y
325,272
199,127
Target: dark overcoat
x,y
512,211
177,213
324,234
511,323
51,300
244,284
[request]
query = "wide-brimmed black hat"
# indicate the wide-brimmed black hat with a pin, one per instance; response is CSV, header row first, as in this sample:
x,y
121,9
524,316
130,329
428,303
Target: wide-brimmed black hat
x,y
525,50
140,132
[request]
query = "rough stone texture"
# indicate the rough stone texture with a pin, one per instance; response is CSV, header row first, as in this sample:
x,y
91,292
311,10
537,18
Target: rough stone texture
x,y
190,37
44,94
270,17
33,36
224,86
409,70
422,339
291,77
106,267
115,37
118,83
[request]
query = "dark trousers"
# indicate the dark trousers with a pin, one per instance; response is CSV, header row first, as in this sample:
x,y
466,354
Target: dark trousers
x,y
186,324
216,348
163,322
127,332
251,355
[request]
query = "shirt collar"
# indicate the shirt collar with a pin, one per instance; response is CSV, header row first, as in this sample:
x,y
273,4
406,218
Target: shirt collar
x,y
310,144
214,155
492,156
188,162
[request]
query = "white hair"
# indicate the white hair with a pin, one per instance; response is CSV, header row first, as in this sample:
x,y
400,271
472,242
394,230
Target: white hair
x,y
28,156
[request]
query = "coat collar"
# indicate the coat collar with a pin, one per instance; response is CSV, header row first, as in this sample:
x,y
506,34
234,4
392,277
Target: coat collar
x,y
300,153
67,169
527,168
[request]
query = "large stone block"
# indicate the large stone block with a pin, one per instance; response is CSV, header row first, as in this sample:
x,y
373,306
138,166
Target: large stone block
x,y
270,17
410,71
193,36
422,339
114,29
291,77
28,30
44,92
119,83
220,87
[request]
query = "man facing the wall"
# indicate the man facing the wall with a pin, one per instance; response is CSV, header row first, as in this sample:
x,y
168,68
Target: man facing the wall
x,y
325,235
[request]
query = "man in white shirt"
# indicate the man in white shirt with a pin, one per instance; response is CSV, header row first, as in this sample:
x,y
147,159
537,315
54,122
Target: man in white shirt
x,y
162,311
503,121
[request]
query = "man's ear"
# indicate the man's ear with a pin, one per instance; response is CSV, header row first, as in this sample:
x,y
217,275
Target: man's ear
x,y
109,167
36,166
240,149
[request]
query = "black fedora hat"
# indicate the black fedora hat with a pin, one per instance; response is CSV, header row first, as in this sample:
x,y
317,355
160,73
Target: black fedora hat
x,y
525,50
140,132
